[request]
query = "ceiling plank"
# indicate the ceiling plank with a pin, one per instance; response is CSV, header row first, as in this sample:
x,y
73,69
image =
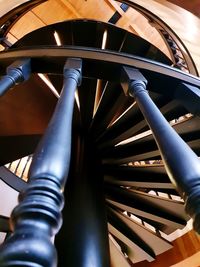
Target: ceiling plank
x,y
115,6
68,5
26,24
62,11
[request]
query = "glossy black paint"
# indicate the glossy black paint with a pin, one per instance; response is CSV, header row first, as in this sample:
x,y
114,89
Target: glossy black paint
x,y
84,231
19,71
38,218
181,163
83,239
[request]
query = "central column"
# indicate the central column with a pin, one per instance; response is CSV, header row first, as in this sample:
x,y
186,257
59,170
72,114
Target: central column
x,y
83,239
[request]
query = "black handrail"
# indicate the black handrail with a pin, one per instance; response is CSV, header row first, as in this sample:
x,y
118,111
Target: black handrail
x,y
162,25
9,19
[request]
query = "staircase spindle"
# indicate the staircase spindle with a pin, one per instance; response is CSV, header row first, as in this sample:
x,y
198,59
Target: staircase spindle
x,y
16,73
83,239
181,163
37,218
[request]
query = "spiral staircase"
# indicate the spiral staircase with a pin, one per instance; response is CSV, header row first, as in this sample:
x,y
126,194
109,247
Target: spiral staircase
x,y
103,119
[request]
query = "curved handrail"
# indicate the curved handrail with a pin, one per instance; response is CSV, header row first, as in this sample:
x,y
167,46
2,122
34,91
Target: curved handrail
x,y
160,18
171,78
9,19
10,15
161,24
51,53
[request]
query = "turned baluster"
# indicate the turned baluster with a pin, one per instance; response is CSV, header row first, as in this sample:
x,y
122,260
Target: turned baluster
x,y
37,218
181,163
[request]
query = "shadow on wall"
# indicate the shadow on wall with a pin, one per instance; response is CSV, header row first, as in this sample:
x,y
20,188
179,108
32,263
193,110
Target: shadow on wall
x,y
192,6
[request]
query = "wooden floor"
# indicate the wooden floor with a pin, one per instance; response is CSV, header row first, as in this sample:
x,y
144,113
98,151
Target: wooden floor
x,y
185,247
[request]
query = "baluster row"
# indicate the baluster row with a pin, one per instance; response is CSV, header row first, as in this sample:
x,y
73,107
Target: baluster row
x,y
181,163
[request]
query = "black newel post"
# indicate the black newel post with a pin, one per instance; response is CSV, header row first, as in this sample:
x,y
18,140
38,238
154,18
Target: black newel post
x,y
83,239
181,163
17,72
37,218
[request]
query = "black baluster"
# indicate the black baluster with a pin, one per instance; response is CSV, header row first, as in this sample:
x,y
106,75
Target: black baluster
x,y
83,239
37,218
17,72
181,163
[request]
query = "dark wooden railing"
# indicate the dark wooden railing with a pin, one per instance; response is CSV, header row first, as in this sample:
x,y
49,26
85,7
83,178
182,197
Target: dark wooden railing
x,y
38,218
8,19
168,35
181,163
179,53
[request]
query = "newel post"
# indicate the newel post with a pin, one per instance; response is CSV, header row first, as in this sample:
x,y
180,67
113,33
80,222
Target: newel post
x,y
181,163
37,218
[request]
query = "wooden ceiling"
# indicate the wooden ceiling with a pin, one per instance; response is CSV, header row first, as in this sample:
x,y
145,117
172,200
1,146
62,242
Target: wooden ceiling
x,y
103,10
183,23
